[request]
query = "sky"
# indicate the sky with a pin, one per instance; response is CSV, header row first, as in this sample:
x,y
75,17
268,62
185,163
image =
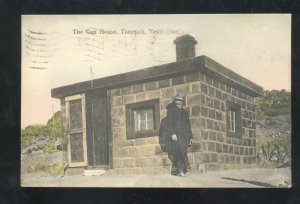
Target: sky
x,y
59,50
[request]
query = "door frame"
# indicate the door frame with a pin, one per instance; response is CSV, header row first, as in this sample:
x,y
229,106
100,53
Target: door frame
x,y
84,142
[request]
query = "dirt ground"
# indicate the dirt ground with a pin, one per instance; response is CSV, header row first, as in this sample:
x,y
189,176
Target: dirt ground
x,y
234,178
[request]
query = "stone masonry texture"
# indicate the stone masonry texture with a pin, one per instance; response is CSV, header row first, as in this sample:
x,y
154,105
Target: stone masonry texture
x,y
206,105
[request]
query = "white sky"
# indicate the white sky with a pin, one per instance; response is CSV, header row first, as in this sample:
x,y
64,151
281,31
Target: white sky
x,y
256,46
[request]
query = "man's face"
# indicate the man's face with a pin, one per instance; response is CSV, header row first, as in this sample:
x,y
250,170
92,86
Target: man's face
x,y
178,104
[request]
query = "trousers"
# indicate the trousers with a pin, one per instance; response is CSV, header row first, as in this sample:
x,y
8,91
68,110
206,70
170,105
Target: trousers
x,y
179,159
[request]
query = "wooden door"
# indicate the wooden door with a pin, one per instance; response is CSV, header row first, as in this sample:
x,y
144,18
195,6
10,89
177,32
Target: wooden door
x,y
97,133
76,130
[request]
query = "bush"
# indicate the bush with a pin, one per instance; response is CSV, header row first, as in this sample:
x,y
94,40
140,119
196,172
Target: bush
x,y
273,151
49,147
52,169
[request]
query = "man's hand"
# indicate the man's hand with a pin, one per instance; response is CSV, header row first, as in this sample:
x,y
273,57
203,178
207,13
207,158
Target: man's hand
x,y
174,137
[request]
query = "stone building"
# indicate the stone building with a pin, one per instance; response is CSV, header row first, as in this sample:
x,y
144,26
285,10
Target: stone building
x,y
114,122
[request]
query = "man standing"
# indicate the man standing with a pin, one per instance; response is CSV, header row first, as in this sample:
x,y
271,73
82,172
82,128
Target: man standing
x,y
180,136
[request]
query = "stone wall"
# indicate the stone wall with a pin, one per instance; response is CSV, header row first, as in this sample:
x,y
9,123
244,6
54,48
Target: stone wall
x,y
206,105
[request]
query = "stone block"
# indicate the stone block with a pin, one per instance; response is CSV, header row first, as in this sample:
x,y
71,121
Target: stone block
x,y
218,94
126,90
212,113
158,150
236,150
118,163
242,152
148,170
223,106
177,80
212,135
230,149
164,103
211,146
204,146
195,87
225,148
211,91
192,77
245,160
202,77
204,111
195,123
149,86
196,134
137,88
116,122
220,137
132,170
251,152
119,133
195,111
246,151
115,92
128,162
122,152
198,157
226,158
141,161
222,86
118,111
203,100
187,110
147,150
214,157
168,92
196,146
204,88
204,134
208,80
140,141
129,99
237,159
232,159
153,94
133,152
152,140
217,104
117,100
206,158
219,147
228,89
209,102
164,83
194,99
141,97
216,83
184,88
209,124
233,92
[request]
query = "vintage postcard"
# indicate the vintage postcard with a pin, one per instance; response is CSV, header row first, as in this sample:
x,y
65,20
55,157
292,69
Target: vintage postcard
x,y
156,101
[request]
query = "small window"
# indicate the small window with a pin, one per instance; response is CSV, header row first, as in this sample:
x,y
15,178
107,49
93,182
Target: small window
x,y
233,119
142,119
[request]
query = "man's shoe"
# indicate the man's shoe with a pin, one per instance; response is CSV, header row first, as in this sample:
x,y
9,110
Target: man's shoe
x,y
181,174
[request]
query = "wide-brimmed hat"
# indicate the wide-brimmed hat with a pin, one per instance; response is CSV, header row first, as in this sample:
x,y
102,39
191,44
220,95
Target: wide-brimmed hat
x,y
179,96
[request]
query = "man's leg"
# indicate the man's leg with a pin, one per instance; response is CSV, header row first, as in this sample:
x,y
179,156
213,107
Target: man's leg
x,y
183,161
173,156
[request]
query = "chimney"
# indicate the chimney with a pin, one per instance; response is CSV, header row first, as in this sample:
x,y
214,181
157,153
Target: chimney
x,y
185,47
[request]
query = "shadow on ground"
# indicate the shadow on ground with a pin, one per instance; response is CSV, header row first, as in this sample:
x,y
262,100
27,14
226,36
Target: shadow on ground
x,y
257,183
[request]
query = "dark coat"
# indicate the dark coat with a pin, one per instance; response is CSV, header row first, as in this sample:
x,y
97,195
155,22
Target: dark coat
x,y
178,123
